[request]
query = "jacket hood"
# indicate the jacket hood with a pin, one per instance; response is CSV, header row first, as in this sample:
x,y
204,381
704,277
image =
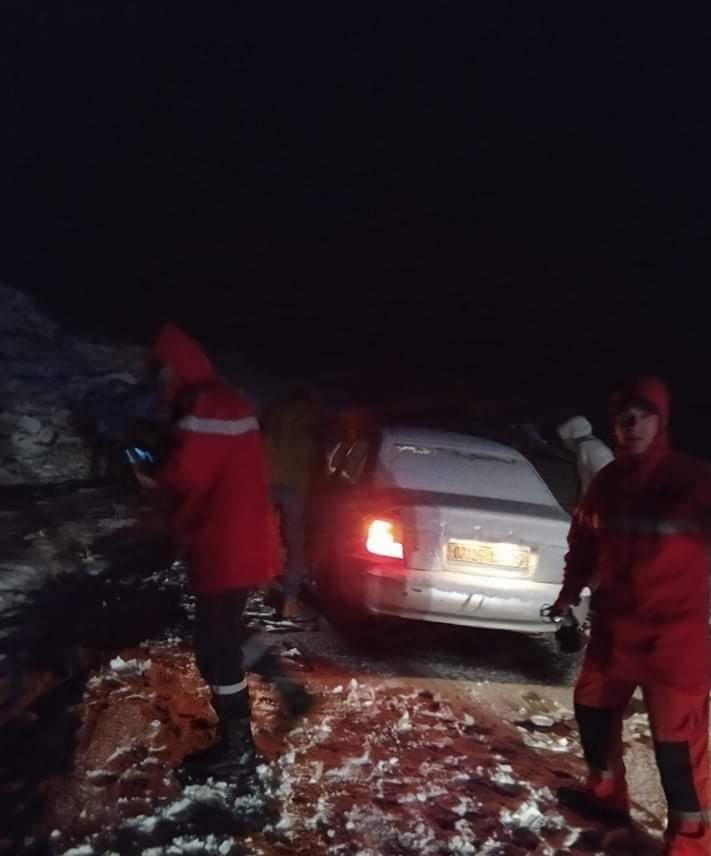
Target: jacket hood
x,y
651,393
574,430
184,359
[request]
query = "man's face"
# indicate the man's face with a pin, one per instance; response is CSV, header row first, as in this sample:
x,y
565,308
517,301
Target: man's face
x,y
635,429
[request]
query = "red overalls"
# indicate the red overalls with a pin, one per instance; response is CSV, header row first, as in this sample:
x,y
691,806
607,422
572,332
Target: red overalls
x,y
641,540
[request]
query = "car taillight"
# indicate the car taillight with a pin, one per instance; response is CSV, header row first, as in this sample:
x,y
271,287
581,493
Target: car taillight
x,y
384,539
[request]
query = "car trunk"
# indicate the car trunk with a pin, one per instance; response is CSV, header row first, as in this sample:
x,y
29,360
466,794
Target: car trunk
x,y
480,536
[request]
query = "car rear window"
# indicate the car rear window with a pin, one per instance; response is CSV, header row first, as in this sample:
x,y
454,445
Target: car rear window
x,y
462,472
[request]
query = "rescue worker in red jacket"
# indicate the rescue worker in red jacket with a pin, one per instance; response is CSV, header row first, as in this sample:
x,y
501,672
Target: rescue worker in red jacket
x,y
640,539
216,475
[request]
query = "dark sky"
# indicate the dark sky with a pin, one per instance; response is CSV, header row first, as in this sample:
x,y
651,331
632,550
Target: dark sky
x,y
519,191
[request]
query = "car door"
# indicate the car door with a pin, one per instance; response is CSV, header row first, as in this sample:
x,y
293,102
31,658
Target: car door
x,y
332,502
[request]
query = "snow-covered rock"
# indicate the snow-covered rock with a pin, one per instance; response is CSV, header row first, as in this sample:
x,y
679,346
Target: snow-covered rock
x,y
52,384
62,393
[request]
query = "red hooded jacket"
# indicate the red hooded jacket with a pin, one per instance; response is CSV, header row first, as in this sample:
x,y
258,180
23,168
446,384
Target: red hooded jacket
x,y
640,539
216,473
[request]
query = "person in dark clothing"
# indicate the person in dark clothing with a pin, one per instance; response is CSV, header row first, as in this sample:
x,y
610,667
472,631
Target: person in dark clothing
x,y
292,429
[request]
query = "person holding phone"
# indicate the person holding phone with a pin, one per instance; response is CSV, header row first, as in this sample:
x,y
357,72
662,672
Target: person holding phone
x,y
215,473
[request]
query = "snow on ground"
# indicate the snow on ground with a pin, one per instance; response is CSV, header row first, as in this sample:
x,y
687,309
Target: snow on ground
x,y
100,699
384,764
380,766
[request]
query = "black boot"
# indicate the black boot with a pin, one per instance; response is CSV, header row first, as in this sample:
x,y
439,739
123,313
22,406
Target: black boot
x,y
232,759
297,700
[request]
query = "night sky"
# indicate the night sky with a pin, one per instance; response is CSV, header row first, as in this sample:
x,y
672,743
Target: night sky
x,y
516,194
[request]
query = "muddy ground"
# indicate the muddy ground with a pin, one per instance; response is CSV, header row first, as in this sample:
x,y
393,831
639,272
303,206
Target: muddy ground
x,y
417,742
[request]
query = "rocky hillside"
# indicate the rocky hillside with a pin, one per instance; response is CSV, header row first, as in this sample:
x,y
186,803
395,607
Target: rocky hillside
x,y
51,386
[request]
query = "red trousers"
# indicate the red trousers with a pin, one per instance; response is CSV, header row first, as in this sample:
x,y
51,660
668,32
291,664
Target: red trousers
x,y
679,720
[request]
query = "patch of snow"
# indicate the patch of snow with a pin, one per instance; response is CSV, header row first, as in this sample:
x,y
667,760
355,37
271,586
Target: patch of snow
x,y
98,774
143,823
351,768
543,741
427,768
502,775
404,723
418,840
387,766
465,805
316,772
214,792
464,842
321,816
529,816
178,807
321,730
248,803
544,793
460,845
423,795
191,844
121,666
637,726
360,696
571,837
491,845
122,750
132,775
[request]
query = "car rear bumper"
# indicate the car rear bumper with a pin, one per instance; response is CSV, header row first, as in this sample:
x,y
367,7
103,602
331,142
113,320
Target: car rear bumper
x,y
469,600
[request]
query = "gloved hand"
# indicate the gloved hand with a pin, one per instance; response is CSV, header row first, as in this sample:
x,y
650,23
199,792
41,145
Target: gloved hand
x,y
561,606
568,634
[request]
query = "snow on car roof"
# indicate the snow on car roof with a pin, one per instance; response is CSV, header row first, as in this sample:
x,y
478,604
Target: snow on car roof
x,y
431,438
444,462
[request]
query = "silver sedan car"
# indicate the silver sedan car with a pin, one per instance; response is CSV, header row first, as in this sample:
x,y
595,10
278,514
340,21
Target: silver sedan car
x,y
436,526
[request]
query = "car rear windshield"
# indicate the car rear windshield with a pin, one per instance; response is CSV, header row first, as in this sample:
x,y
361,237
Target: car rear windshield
x,y
463,472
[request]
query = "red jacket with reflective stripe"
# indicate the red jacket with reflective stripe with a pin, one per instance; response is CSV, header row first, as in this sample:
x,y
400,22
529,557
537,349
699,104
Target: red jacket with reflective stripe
x,y
216,473
641,539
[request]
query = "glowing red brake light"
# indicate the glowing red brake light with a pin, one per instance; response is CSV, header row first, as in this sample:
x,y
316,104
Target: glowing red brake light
x,y
384,539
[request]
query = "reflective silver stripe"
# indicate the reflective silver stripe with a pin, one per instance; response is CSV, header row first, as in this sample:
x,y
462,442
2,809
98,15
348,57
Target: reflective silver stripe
x,y
645,525
229,689
691,816
228,427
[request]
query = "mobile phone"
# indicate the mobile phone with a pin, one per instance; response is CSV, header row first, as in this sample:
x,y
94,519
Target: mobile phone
x,y
137,456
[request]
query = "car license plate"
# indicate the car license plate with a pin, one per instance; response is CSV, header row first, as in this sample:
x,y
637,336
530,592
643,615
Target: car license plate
x,y
493,553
